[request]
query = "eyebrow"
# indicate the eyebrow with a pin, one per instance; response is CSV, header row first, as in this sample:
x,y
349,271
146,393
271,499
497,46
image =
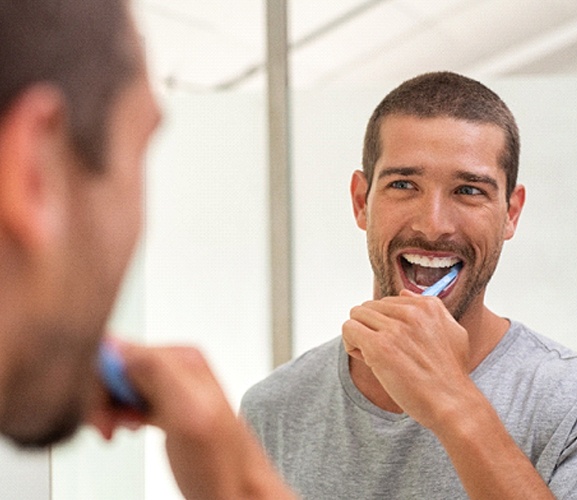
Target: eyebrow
x,y
478,179
405,171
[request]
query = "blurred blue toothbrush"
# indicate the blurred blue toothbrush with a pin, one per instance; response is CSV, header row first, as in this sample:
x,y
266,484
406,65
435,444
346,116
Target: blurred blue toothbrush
x,y
113,373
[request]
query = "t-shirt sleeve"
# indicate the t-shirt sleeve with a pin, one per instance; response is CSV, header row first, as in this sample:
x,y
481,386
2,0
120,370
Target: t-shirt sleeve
x,y
563,479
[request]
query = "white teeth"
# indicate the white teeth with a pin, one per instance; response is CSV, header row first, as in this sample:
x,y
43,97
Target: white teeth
x,y
424,261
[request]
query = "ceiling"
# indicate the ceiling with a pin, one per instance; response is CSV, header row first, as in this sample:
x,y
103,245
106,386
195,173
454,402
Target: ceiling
x,y
211,45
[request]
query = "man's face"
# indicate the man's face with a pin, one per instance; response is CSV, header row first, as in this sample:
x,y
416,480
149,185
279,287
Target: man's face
x,y
53,380
438,198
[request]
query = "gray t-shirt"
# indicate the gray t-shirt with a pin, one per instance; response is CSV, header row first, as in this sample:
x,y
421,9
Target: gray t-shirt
x,y
330,442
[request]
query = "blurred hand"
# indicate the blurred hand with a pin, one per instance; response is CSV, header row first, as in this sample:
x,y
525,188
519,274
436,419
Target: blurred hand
x,y
212,453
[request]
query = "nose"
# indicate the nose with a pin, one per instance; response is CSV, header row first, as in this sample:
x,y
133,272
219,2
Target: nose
x,y
434,217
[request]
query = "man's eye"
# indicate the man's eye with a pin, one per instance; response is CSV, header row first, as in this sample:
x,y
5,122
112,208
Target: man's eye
x,y
469,190
401,185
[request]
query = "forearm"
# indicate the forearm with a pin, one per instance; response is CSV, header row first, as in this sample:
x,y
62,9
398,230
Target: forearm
x,y
213,454
264,482
487,459
237,468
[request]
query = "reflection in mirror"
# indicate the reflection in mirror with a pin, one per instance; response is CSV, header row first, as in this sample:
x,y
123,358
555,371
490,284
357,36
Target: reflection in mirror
x,y
202,277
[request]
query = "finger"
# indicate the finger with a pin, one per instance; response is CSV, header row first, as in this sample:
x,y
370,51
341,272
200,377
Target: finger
x,y
355,335
371,317
393,306
106,416
381,314
106,421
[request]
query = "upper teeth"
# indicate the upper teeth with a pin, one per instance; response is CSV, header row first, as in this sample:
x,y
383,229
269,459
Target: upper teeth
x,y
423,260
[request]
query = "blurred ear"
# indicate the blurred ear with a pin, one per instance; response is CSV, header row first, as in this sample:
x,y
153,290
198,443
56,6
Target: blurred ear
x,y
32,166
359,189
516,202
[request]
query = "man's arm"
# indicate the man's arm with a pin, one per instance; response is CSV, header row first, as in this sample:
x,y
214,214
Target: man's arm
x,y
486,458
419,354
212,453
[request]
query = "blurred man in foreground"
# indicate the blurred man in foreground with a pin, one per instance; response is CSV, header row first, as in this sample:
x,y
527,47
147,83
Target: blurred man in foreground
x,y
76,114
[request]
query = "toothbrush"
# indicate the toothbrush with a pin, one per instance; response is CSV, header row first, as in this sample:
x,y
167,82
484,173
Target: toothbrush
x,y
444,282
113,373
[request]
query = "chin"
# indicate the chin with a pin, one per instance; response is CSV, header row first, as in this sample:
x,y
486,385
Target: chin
x,y
40,425
56,433
37,415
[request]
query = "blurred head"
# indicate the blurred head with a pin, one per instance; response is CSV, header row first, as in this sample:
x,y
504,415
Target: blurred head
x,y
76,114
445,94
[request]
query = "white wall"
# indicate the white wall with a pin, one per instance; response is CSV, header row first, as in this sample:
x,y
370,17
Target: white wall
x,y
24,475
537,278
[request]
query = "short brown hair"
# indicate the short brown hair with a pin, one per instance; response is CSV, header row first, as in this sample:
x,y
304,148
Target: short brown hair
x,y
81,46
445,94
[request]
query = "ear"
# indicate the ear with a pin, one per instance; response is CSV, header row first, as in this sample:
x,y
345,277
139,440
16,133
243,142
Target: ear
x,y
516,202
359,190
32,145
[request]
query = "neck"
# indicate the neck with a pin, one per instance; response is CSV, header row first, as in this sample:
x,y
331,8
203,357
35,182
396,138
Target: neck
x,y
369,386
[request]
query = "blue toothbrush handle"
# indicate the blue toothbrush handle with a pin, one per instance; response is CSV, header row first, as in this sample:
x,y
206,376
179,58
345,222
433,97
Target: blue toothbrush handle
x,y
113,373
436,288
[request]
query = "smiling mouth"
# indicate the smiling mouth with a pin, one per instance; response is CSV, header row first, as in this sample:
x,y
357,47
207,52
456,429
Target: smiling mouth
x,y
423,271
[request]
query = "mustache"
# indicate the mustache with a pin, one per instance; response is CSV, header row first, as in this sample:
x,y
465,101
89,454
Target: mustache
x,y
466,252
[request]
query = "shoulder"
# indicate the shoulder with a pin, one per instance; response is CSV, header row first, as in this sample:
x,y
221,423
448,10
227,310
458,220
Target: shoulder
x,y
530,366
290,381
535,349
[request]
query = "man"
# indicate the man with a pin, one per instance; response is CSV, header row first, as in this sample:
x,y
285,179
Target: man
x,y
76,114
429,397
